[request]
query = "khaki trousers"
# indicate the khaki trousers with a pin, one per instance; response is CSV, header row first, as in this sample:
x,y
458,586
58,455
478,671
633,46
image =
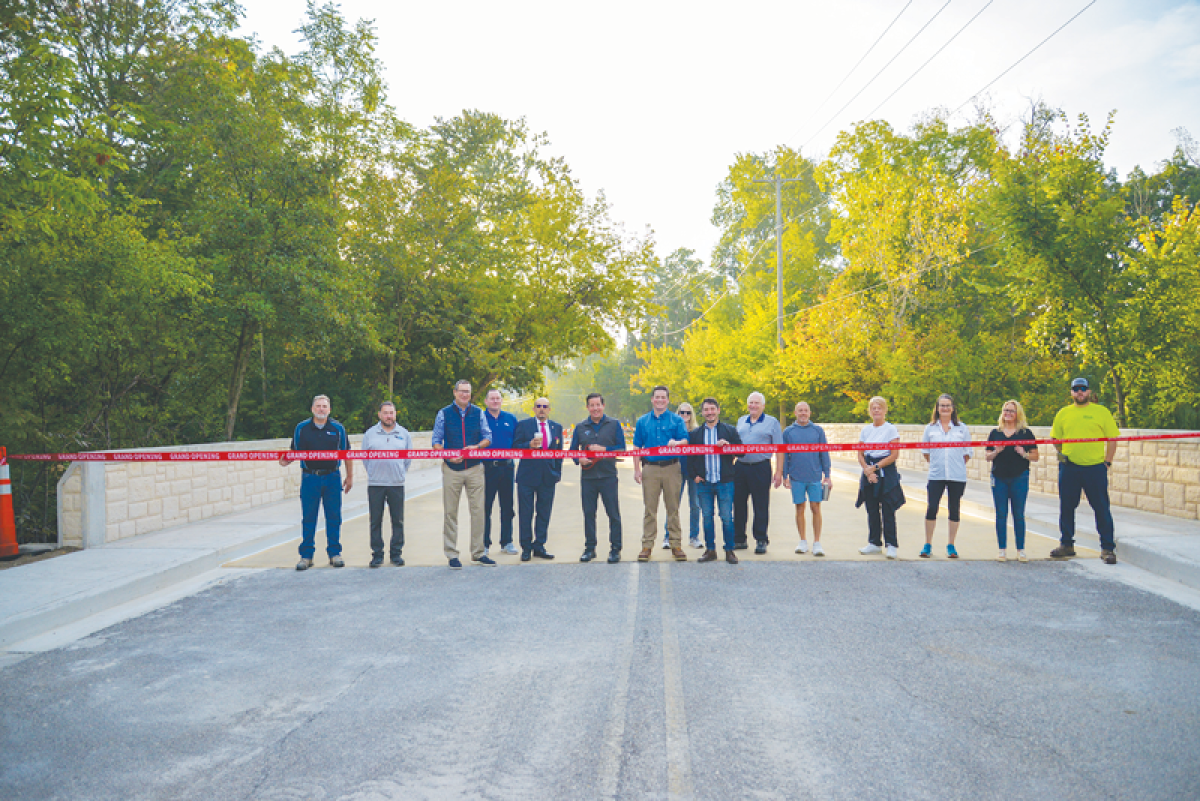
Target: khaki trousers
x,y
665,480
453,483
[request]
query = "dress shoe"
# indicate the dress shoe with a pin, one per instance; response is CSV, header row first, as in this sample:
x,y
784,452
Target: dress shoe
x,y
709,556
614,557
588,555
541,553
760,548
741,546
376,561
526,556
679,555
731,557
397,561
644,556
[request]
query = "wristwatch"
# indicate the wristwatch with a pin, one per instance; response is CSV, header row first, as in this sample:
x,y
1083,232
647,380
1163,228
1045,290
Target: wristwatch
x,y
1108,464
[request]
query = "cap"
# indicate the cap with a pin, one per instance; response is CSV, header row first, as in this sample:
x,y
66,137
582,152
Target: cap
x,y
1079,383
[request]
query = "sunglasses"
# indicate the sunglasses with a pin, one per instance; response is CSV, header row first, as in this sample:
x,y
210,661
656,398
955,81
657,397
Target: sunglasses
x,y
541,406
689,414
1079,389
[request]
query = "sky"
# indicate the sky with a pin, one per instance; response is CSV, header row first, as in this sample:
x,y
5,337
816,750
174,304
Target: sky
x,y
651,101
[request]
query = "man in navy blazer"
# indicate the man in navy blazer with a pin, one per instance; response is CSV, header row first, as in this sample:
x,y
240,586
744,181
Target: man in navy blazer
x,y
537,478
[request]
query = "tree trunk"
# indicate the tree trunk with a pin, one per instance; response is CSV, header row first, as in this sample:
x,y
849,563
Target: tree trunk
x,y
391,374
241,361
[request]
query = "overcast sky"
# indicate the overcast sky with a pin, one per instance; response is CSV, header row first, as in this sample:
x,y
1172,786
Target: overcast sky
x,y
651,101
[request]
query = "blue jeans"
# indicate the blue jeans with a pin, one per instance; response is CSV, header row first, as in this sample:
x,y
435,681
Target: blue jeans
x,y
722,494
314,490
1014,491
1092,480
693,511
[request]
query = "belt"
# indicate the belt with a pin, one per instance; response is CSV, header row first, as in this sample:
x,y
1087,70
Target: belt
x,y
320,472
662,463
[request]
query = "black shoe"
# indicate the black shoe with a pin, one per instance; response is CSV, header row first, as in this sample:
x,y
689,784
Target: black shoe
x,y
486,560
526,556
614,557
760,548
541,553
376,562
741,546
397,561
588,555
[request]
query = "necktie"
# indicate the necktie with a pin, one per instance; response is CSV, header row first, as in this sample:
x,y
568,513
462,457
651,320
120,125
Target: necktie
x,y
545,436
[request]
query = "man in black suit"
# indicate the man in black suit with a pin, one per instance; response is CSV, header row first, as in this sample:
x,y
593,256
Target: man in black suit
x,y
536,478
713,477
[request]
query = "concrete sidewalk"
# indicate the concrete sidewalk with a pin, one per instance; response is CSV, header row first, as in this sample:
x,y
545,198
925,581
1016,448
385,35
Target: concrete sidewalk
x,y
40,598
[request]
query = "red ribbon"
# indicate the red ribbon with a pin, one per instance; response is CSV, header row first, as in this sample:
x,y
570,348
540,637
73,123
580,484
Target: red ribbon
x,y
473,455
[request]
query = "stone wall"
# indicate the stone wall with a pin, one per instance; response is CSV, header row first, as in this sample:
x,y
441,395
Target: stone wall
x,y
141,497
1159,476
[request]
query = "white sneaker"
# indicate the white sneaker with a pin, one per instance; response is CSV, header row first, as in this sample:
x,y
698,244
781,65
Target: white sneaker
x,y
802,547
485,551
869,549
510,549
891,552
695,542
666,545
818,550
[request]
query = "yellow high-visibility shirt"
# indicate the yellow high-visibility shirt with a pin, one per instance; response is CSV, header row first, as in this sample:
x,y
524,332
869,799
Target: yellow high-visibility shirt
x,y
1084,422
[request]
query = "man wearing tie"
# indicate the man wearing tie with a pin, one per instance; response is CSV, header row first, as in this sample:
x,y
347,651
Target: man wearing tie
x,y
536,478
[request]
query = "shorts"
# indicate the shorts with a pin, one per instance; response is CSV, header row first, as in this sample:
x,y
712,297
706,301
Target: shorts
x,y
812,491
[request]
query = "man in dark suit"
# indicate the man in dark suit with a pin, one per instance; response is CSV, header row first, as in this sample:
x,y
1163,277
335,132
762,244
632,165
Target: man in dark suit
x,y
536,478
713,476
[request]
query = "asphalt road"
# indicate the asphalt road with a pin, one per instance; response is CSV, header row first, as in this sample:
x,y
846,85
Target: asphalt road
x,y
765,680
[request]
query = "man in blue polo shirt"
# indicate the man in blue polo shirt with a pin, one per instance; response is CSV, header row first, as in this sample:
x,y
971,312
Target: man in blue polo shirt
x,y
321,482
498,474
656,429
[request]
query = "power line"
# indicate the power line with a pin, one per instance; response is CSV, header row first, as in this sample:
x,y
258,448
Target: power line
x,y
856,66
881,71
1027,55
931,58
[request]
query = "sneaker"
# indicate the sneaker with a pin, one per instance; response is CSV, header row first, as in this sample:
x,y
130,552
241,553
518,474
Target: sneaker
x,y
803,547
760,548
818,550
397,561
486,548
695,542
614,557
926,551
337,561
1108,557
376,561
486,560
510,549
455,564
951,553
892,552
304,564
1001,557
666,545
1062,552
869,549
1021,557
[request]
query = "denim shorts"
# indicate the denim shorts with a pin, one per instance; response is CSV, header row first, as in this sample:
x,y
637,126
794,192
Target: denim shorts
x,y
802,492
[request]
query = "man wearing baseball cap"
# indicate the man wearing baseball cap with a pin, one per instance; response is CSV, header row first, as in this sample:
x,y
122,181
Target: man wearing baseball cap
x,y
1083,467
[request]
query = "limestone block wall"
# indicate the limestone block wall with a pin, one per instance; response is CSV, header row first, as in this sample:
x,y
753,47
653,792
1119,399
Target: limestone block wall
x,y
1159,476
141,497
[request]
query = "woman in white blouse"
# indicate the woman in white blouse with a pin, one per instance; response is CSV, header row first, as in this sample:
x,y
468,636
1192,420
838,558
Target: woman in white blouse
x,y
947,470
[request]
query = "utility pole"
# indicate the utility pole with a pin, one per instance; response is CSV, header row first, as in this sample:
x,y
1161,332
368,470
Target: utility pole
x,y
779,182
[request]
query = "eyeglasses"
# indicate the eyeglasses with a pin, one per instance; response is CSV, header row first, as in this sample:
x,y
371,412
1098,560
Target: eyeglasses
x,y
541,406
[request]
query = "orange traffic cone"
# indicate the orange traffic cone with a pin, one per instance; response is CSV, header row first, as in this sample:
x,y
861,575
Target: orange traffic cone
x,y
8,525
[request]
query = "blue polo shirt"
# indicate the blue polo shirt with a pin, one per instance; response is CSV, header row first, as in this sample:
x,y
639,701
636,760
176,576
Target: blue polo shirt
x,y
329,437
503,427
655,431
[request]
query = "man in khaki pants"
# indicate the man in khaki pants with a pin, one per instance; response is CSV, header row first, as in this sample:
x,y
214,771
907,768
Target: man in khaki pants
x,y
462,426
656,429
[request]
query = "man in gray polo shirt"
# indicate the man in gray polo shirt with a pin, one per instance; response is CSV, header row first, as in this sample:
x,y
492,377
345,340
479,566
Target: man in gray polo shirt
x,y
385,482
752,478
